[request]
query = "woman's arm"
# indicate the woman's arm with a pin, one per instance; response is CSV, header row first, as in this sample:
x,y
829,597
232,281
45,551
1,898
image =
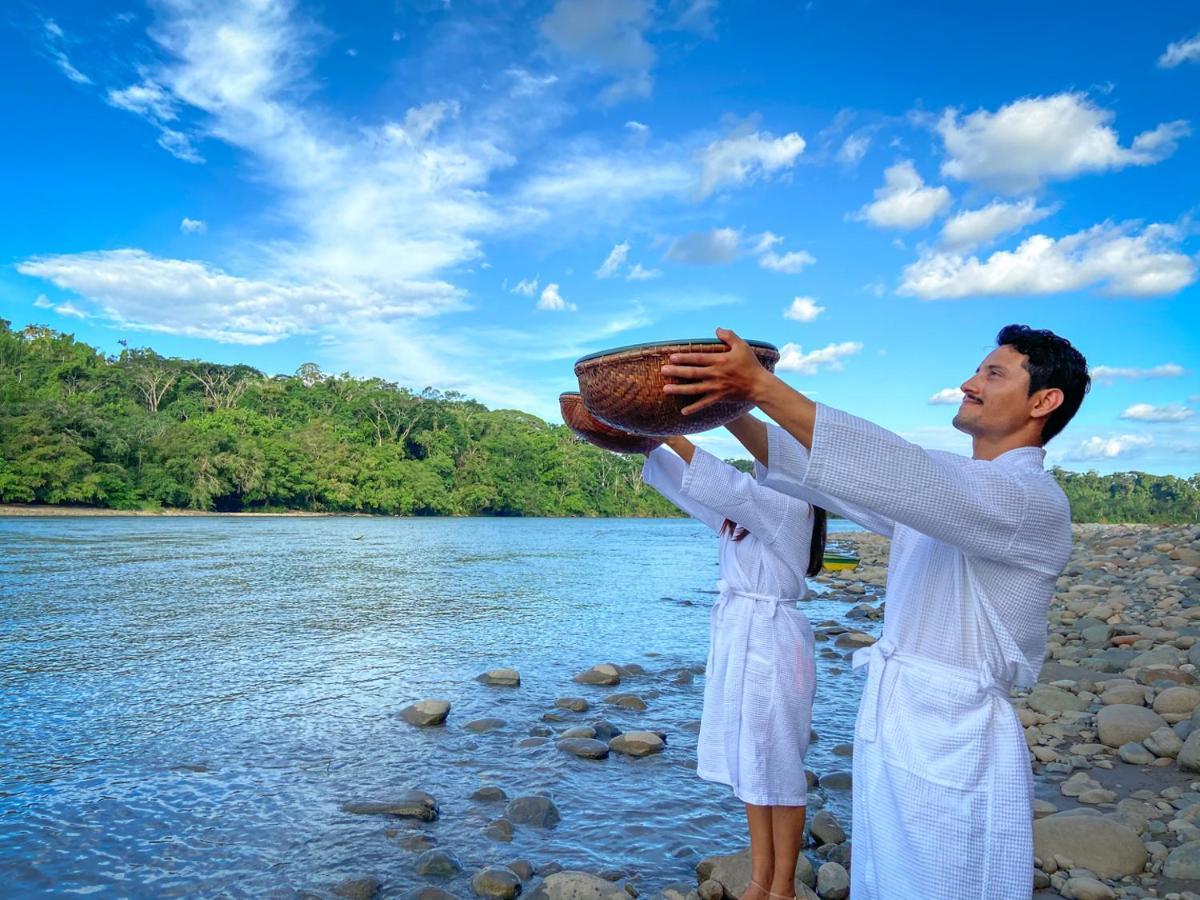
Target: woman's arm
x,y
752,434
683,448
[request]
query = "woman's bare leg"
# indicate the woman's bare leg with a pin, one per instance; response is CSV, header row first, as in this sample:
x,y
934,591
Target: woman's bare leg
x,y
762,852
787,840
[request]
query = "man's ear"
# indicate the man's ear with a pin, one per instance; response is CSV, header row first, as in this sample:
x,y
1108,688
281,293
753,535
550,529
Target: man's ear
x,y
1045,402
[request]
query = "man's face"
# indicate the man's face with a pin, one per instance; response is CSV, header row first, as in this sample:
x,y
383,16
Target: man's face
x,y
996,401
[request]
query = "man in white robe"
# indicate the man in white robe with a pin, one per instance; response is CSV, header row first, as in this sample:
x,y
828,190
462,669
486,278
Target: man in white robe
x,y
942,782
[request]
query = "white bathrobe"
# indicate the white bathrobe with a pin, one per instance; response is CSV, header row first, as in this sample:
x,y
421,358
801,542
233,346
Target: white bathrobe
x,y
942,783
761,672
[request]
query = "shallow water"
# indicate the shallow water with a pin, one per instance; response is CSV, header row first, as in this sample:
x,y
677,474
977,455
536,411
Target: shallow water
x,y
187,702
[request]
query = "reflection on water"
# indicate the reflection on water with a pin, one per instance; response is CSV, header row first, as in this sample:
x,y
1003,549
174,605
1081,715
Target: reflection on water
x,y
187,702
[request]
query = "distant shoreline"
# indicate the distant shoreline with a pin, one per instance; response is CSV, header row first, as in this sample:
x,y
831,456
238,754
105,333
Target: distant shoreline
x,y
15,510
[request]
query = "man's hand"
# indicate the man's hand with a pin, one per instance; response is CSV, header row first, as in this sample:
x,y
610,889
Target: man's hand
x,y
732,375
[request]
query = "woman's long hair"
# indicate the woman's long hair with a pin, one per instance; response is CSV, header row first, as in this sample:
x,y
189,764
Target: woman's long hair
x,y
816,550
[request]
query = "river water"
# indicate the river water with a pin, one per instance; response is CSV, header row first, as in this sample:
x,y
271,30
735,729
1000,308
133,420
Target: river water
x,y
187,703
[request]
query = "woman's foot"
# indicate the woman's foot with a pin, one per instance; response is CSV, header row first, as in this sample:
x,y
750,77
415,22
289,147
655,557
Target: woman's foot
x,y
791,895
755,891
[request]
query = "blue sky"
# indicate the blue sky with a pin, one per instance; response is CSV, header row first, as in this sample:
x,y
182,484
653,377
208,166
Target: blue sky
x,y
470,196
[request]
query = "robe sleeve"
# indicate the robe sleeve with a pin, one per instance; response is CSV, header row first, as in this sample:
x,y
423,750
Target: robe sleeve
x,y
664,471
787,461
974,505
772,517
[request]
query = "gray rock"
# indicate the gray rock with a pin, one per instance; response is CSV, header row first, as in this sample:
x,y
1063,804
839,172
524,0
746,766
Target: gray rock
x,y
1104,847
833,882
604,730
489,794
579,731
1164,742
1135,754
500,830
637,743
1189,753
536,810
568,885
1183,861
367,888
413,805
523,868
500,882
438,863
1096,635
1121,723
626,701
604,674
501,678
587,748
427,892
1177,701
481,725
574,704
1052,701
826,829
733,872
426,713
1088,889
836,781
1125,692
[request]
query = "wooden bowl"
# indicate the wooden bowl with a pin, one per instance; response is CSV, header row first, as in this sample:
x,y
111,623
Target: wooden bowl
x,y
592,430
623,388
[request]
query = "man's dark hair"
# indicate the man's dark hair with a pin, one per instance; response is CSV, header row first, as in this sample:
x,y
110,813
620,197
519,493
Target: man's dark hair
x,y
1052,363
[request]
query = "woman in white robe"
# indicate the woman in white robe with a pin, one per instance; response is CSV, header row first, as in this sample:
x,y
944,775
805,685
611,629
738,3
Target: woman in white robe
x,y
761,674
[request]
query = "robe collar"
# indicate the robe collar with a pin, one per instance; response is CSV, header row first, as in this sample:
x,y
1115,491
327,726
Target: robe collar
x,y
1023,458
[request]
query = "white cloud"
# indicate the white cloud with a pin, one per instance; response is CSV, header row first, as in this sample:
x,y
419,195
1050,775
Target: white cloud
x,y
790,263
1110,447
600,182
853,149
636,128
1144,412
43,302
946,397
792,358
904,201
1037,139
721,245
1114,258
54,37
981,226
607,36
526,287
803,309
193,226
70,309
875,288
616,259
551,299
192,299
695,16
1111,373
1180,52
638,273
766,241
745,158
526,84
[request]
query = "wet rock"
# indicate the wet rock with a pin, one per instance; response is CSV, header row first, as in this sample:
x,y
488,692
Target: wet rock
x,y
579,731
843,749
489,793
500,830
522,868
413,805
626,701
637,743
833,882
568,885
826,829
481,725
732,872
586,748
603,674
536,810
1104,847
499,882
438,864
574,704
501,678
836,781
367,888
1121,723
604,730
426,713
427,892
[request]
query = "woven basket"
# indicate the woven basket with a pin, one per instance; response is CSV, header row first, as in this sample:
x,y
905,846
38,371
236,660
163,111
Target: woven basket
x,y
592,430
624,388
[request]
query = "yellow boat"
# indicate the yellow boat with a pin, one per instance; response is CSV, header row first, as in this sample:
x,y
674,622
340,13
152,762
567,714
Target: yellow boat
x,y
840,562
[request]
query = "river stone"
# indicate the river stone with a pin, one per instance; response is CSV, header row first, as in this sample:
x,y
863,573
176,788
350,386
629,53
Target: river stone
x,y
1052,701
711,890
535,810
1159,656
426,713
1177,701
626,701
1135,754
427,892
439,863
1189,754
579,731
499,830
826,829
833,882
637,743
568,885
500,882
1126,692
489,793
1094,842
574,704
1164,742
523,868
367,888
605,730
732,871
836,781
1083,888
413,805
587,748
1184,861
604,674
481,725
501,678
1121,723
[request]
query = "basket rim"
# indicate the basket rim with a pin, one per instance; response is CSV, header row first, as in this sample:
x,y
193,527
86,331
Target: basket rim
x,y
761,345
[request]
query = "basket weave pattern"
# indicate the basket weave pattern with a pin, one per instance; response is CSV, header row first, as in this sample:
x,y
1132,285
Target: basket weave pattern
x,y
624,390
592,430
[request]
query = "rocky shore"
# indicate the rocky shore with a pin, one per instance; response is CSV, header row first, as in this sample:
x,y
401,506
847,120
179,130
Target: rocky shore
x,y
1112,729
